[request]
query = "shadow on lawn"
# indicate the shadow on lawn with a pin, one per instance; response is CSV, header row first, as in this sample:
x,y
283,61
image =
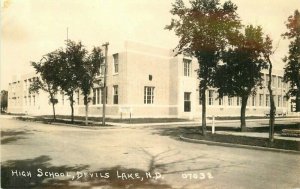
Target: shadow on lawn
x,y
195,133
174,132
277,128
12,136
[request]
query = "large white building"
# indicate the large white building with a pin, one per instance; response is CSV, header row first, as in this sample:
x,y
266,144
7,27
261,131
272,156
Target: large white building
x,y
148,81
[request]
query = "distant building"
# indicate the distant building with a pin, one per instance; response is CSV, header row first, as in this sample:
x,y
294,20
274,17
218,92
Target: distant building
x,y
149,81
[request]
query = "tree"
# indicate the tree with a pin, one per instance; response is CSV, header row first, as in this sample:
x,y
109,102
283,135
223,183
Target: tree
x,y
203,30
90,68
267,53
292,67
71,62
4,97
47,68
240,72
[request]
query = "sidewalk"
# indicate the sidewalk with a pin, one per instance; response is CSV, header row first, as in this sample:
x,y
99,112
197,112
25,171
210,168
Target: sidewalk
x,y
197,122
258,135
186,123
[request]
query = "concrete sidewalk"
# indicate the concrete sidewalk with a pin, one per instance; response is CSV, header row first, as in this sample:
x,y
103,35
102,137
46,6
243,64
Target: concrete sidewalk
x,y
185,123
258,135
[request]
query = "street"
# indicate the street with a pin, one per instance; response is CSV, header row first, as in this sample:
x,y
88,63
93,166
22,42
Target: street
x,y
137,157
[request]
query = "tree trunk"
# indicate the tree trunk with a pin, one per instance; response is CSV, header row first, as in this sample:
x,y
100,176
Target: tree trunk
x,y
72,108
53,105
272,107
86,113
203,100
53,108
243,113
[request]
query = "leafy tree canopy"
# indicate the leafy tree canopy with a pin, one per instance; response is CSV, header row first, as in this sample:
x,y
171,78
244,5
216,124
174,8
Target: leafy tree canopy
x,y
91,68
240,72
292,60
204,29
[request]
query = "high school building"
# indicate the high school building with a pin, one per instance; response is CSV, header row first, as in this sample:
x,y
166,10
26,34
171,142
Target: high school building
x,y
147,81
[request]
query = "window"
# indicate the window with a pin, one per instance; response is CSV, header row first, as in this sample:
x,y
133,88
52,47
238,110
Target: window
x,y
267,100
33,97
26,86
221,101
115,92
96,96
274,99
148,95
200,98
267,79
263,78
230,101
187,102
210,97
284,101
187,67
102,67
29,97
116,63
238,101
261,99
273,80
279,82
253,100
25,100
279,101
77,97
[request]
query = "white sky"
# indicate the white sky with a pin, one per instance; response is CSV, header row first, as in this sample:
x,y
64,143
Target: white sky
x,y
32,28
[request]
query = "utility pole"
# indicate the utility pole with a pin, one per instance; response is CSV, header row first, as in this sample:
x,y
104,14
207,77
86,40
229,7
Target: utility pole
x,y
104,84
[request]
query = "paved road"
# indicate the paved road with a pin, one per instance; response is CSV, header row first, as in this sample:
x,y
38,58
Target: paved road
x,y
146,157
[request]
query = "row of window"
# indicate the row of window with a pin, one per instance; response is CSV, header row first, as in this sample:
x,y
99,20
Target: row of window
x,y
278,99
276,81
30,100
98,95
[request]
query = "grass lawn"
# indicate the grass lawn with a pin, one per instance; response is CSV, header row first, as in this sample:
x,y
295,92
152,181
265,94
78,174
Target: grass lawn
x,y
247,118
245,140
194,133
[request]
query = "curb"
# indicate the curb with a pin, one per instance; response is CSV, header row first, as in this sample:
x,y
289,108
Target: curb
x,y
73,125
79,126
237,145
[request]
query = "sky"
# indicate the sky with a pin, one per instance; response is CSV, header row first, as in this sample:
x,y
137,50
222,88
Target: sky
x,y
32,28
